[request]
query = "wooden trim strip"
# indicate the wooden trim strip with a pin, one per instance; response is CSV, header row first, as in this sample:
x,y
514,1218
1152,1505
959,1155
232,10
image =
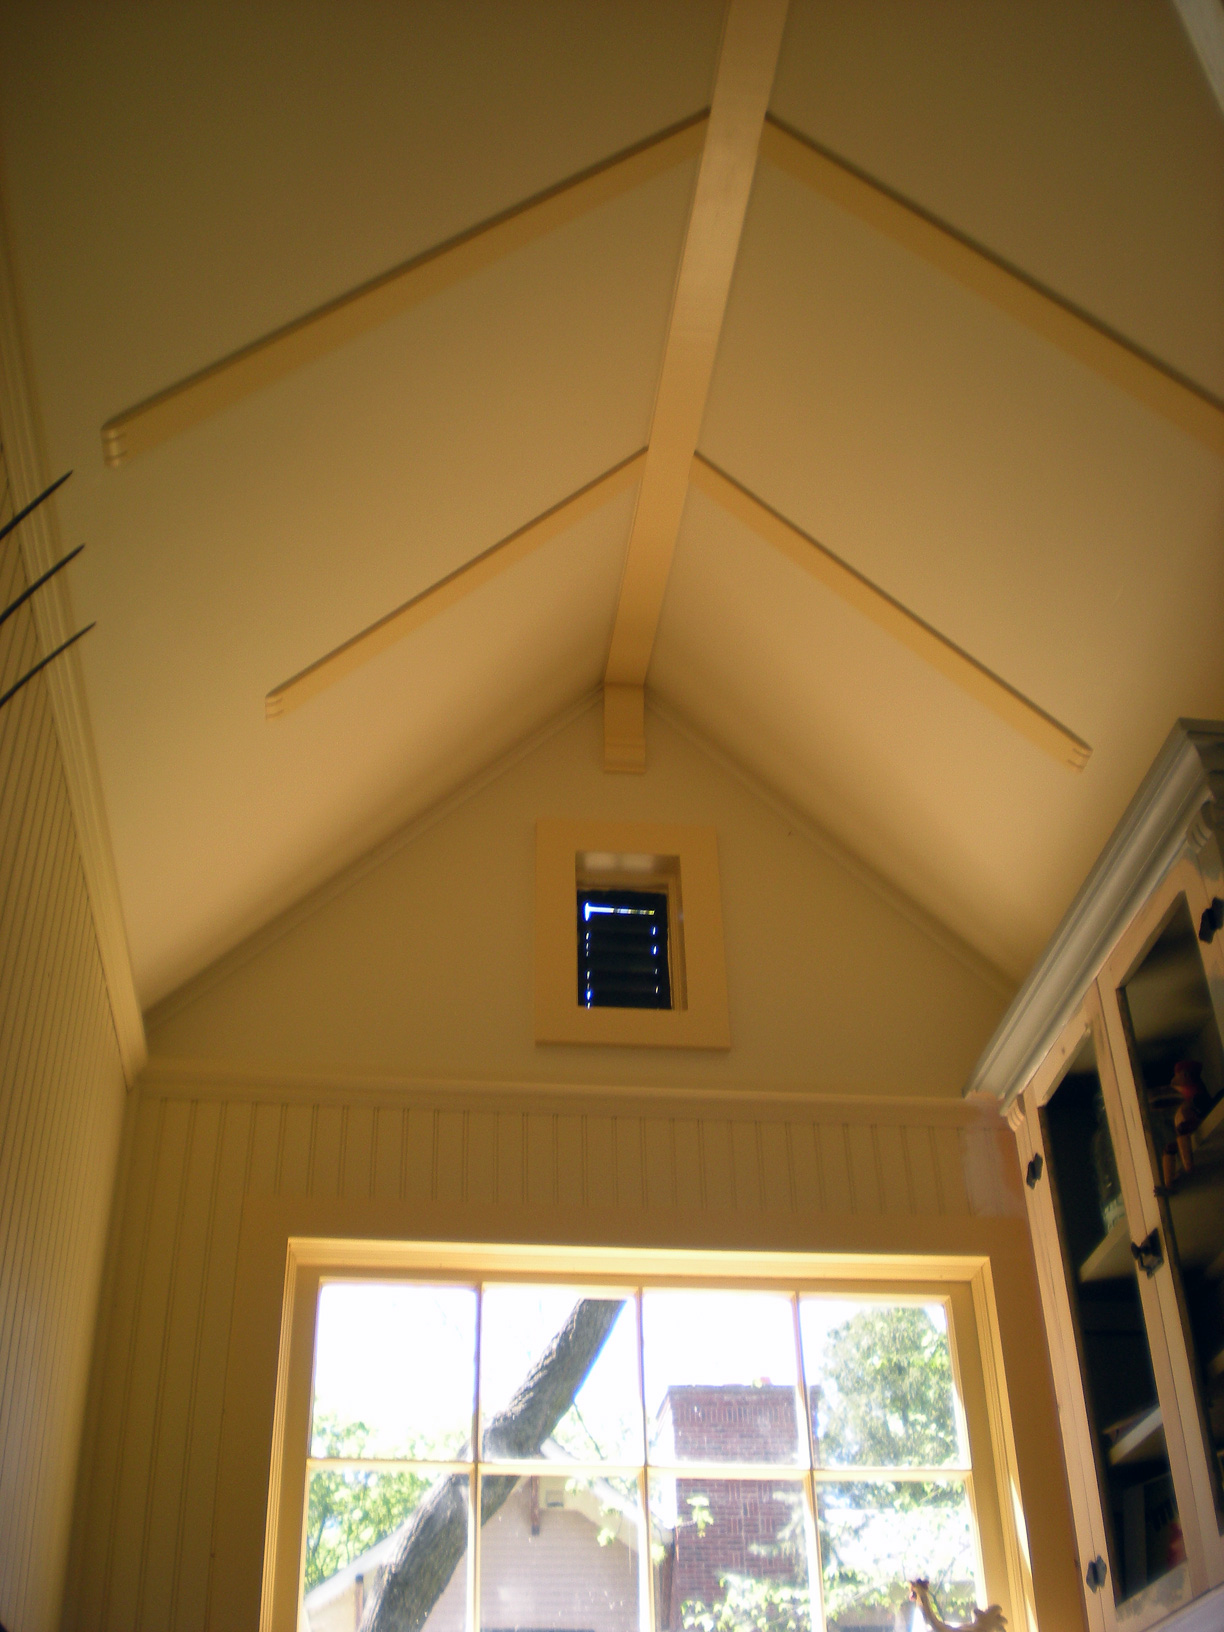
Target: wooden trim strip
x,y
749,53
41,547
308,338
250,1082
954,664
1161,389
515,547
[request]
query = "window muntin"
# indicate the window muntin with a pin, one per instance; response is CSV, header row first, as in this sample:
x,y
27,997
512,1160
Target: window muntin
x,y
784,1519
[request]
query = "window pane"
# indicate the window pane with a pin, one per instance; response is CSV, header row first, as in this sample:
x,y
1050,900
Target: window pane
x,y
361,1540
394,1371
729,1554
874,1538
1178,1065
720,1377
1138,1501
879,1379
623,958
559,1375
560,1553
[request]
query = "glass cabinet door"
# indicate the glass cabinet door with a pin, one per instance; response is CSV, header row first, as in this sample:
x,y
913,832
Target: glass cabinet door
x,y
1123,1436
1169,1044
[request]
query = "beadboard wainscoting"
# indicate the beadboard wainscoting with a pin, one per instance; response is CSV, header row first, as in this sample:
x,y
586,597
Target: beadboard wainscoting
x,y
61,1111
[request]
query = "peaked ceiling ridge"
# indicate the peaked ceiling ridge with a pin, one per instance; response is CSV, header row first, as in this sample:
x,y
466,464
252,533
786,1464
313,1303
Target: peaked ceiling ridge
x,y
250,946
1157,383
893,895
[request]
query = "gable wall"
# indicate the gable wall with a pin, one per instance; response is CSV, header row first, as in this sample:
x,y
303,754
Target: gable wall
x,y
420,965
367,1068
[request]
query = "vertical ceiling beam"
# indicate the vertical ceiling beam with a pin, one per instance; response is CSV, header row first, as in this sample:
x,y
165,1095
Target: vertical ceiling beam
x,y
752,35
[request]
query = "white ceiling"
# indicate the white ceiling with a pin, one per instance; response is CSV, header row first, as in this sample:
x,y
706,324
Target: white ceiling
x,y
180,180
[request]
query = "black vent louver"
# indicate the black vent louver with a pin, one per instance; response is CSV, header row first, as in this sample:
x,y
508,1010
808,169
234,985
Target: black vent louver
x,y
622,950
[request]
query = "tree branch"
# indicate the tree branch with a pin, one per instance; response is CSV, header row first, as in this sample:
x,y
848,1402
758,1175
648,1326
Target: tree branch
x,y
434,1539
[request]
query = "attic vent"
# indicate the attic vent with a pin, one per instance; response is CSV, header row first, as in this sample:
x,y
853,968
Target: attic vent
x,y
622,950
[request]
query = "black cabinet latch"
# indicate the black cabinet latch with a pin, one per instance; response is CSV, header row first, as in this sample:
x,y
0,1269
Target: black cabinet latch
x,y
1095,1574
1212,919
1148,1254
1033,1171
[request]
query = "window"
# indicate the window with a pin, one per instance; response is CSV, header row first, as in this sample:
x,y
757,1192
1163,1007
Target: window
x,y
623,949
629,945
643,1457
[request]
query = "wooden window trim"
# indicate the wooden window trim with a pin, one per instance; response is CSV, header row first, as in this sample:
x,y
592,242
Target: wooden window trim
x,y
686,858
963,1284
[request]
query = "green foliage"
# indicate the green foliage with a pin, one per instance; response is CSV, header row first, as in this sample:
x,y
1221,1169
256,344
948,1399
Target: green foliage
x,y
751,1605
350,1511
891,1400
890,1403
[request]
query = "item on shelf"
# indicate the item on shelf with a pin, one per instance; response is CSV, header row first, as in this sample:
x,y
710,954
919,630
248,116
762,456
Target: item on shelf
x,y
1105,1167
1190,1102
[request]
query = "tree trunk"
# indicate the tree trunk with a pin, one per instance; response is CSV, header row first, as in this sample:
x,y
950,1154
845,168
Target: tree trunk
x,y
434,1539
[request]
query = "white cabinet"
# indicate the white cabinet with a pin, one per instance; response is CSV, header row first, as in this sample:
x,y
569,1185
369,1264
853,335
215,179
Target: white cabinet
x,y
1111,1067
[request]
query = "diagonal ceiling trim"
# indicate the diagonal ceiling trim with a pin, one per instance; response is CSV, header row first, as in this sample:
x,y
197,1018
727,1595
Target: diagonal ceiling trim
x,y
515,547
308,338
896,620
752,36
1124,365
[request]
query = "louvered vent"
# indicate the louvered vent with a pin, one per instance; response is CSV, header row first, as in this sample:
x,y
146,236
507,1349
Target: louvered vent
x,y
622,950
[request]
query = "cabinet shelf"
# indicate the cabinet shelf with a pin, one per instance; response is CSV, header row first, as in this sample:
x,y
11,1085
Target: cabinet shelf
x,y
1110,1259
1142,1441
1210,1133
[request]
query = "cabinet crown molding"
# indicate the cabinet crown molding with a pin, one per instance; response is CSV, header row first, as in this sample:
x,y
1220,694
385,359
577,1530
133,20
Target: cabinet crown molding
x,y
1180,800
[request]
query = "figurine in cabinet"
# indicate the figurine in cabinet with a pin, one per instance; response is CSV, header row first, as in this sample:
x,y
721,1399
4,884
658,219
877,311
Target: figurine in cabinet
x,y
1189,1102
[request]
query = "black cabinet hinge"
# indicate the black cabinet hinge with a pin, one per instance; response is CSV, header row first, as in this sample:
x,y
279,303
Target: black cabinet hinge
x,y
1033,1171
1095,1574
1212,919
1148,1253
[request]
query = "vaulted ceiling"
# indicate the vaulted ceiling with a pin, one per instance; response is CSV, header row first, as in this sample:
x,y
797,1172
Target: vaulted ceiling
x,y
182,181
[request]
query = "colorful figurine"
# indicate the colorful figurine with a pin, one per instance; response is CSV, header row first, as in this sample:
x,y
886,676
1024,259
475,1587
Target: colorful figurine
x,y
1189,1101
984,1620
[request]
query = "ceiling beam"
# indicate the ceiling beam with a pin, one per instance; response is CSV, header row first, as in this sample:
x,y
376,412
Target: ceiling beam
x,y
896,620
515,547
1151,382
752,34
308,338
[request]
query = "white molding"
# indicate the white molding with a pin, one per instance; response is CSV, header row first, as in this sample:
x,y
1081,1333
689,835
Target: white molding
x,y
64,679
246,1081
1187,774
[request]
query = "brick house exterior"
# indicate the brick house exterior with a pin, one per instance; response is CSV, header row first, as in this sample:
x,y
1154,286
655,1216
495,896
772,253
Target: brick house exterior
x,y
730,1526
